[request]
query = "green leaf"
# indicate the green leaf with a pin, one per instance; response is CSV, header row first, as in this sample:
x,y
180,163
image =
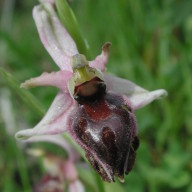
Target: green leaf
x,y
99,182
26,96
113,187
69,20
86,177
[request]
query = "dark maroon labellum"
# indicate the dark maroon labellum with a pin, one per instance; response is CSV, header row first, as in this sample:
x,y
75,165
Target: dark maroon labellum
x,y
105,127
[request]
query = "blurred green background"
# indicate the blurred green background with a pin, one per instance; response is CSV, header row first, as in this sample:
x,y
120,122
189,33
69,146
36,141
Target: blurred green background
x,y
151,45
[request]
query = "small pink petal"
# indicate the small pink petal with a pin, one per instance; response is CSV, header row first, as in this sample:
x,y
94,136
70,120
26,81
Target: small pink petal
x,y
76,186
58,79
56,120
101,61
54,36
58,140
133,94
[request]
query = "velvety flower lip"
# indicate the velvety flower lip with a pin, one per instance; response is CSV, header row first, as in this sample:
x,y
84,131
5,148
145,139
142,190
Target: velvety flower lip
x,y
61,47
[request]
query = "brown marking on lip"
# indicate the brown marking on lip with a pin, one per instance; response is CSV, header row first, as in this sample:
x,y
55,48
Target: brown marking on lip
x,y
98,110
104,126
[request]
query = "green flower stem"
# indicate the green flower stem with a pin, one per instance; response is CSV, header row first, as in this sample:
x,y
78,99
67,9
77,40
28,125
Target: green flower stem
x,y
86,177
69,20
75,145
100,184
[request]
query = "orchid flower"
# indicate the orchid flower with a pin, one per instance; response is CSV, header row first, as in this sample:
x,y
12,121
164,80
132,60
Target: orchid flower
x,y
59,172
96,109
